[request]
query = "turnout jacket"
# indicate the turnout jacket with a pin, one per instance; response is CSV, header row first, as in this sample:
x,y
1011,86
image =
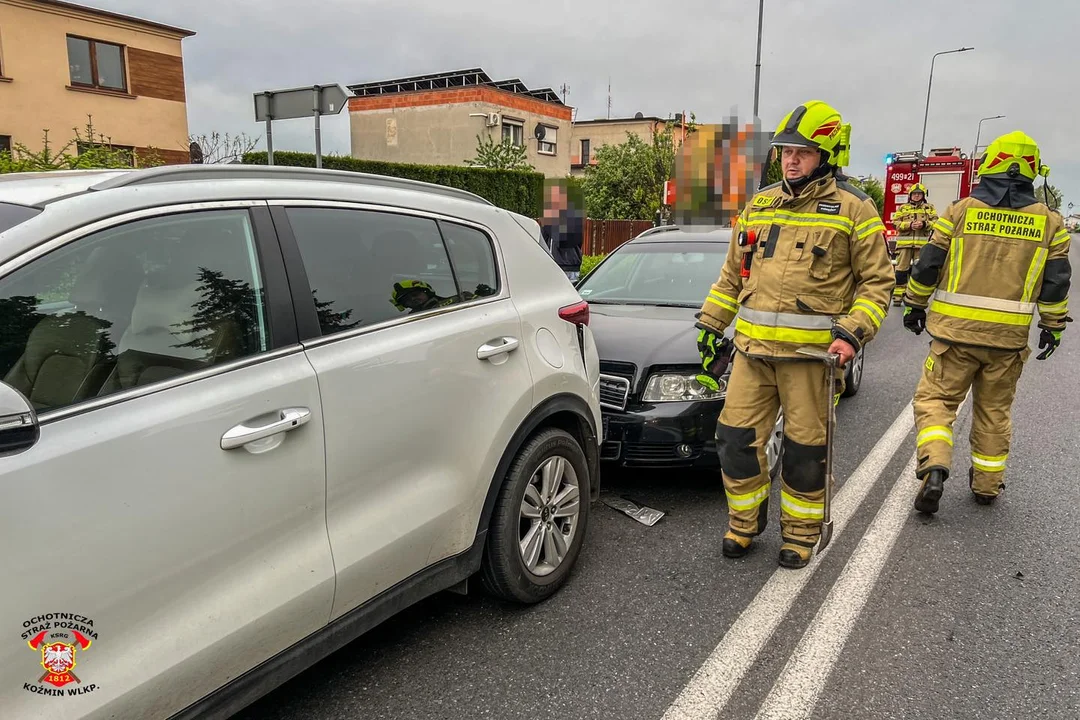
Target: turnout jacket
x,y
908,213
820,269
988,269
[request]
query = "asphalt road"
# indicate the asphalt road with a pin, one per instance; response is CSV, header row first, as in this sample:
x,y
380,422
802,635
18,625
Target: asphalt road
x,y
972,613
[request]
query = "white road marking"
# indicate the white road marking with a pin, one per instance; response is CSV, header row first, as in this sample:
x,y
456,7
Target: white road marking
x,y
803,679
796,692
712,686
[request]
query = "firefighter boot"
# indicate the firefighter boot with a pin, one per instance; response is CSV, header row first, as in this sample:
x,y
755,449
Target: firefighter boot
x,y
735,545
794,556
979,497
930,492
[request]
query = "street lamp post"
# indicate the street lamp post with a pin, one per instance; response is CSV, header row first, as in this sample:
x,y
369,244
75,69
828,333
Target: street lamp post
x,y
926,114
757,67
975,150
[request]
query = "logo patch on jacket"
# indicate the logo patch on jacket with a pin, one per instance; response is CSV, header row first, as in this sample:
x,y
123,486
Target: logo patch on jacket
x,y
761,201
828,208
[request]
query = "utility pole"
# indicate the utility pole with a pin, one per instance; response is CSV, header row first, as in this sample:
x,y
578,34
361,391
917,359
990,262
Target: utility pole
x,y
757,66
929,85
609,97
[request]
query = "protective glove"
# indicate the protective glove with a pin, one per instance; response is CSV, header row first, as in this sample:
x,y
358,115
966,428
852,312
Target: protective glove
x,y
914,319
1049,339
483,290
715,353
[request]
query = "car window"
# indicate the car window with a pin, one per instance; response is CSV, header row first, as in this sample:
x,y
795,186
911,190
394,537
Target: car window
x,y
660,273
132,305
474,259
12,214
367,267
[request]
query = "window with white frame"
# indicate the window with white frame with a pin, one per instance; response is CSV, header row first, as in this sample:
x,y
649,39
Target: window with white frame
x,y
513,131
549,143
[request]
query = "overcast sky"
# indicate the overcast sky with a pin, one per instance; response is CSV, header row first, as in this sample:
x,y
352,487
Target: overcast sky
x,y
869,58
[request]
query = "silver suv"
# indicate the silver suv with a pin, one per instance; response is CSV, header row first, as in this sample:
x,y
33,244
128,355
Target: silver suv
x,y
249,413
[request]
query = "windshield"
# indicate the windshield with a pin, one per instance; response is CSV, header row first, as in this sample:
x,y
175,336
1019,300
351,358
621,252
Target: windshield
x,y
664,273
11,215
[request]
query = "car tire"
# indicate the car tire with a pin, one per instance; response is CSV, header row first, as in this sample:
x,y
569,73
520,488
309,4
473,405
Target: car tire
x,y
505,570
853,375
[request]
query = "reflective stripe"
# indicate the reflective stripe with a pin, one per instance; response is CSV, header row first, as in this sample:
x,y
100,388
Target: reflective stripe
x,y
918,287
747,501
1060,308
801,508
956,261
987,303
1034,272
725,301
786,217
781,334
791,320
944,226
932,433
875,313
868,228
989,463
911,242
1059,237
990,316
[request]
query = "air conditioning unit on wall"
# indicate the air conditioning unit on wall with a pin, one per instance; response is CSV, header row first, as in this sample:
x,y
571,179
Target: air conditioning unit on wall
x,y
494,119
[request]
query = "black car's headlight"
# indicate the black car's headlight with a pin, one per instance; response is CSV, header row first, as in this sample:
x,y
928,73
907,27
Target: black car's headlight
x,y
680,387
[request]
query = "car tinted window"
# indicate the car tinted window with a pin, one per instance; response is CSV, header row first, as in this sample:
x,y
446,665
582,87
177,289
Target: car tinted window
x,y
132,305
12,214
657,273
367,267
474,259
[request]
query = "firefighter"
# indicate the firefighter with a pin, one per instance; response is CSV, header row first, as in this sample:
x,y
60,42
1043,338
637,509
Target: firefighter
x,y
912,221
994,258
817,273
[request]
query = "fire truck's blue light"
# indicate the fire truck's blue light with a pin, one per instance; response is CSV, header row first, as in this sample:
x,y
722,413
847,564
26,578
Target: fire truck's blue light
x,y
888,159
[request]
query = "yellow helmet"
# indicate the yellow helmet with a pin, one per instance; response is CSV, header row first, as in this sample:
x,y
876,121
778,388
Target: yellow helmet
x,y
1013,150
918,187
818,125
407,287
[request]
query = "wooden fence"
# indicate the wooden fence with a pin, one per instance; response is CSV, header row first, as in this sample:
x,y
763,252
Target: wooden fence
x,y
603,236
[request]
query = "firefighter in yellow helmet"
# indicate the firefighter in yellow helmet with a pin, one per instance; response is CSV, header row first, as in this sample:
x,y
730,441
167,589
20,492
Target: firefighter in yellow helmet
x,y
810,267
913,221
994,259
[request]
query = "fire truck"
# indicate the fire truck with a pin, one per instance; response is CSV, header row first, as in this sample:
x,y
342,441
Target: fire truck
x,y
947,173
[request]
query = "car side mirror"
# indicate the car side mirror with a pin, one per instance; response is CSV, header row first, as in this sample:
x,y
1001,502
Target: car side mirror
x,y
19,427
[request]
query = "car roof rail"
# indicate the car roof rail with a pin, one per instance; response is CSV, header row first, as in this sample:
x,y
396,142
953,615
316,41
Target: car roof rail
x,y
236,171
658,229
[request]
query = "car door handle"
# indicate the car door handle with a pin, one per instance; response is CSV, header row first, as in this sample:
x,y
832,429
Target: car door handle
x,y
288,419
497,347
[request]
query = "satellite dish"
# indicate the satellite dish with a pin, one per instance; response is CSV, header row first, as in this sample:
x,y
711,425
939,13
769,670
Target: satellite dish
x,y
639,116
540,132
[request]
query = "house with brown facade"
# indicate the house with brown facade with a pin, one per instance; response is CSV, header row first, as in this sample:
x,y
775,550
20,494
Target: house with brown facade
x,y
436,120
61,62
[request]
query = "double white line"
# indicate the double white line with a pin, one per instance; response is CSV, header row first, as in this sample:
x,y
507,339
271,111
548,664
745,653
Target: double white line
x,y
796,691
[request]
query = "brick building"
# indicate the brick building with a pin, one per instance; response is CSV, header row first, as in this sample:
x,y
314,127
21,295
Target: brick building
x,y
435,120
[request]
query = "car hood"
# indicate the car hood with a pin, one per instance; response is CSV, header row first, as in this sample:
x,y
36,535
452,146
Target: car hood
x,y
645,335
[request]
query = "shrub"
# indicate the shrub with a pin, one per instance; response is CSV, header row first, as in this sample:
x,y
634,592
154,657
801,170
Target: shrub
x,y
588,262
519,191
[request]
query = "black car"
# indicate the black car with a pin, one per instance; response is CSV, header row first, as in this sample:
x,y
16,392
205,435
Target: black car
x,y
642,300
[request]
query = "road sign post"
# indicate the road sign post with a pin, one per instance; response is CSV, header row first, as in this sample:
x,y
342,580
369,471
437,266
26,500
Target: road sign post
x,y
317,100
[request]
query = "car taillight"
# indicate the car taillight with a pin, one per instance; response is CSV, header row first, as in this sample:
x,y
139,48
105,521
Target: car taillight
x,y
578,313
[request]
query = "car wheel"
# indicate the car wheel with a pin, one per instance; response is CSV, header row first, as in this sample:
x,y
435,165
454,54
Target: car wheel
x,y
539,521
774,448
853,375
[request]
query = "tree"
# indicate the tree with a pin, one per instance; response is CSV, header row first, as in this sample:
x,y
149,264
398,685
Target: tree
x,y
872,187
502,156
216,149
1049,194
627,180
92,150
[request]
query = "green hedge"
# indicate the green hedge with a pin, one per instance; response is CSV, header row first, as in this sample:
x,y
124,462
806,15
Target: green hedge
x,y
588,262
519,191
